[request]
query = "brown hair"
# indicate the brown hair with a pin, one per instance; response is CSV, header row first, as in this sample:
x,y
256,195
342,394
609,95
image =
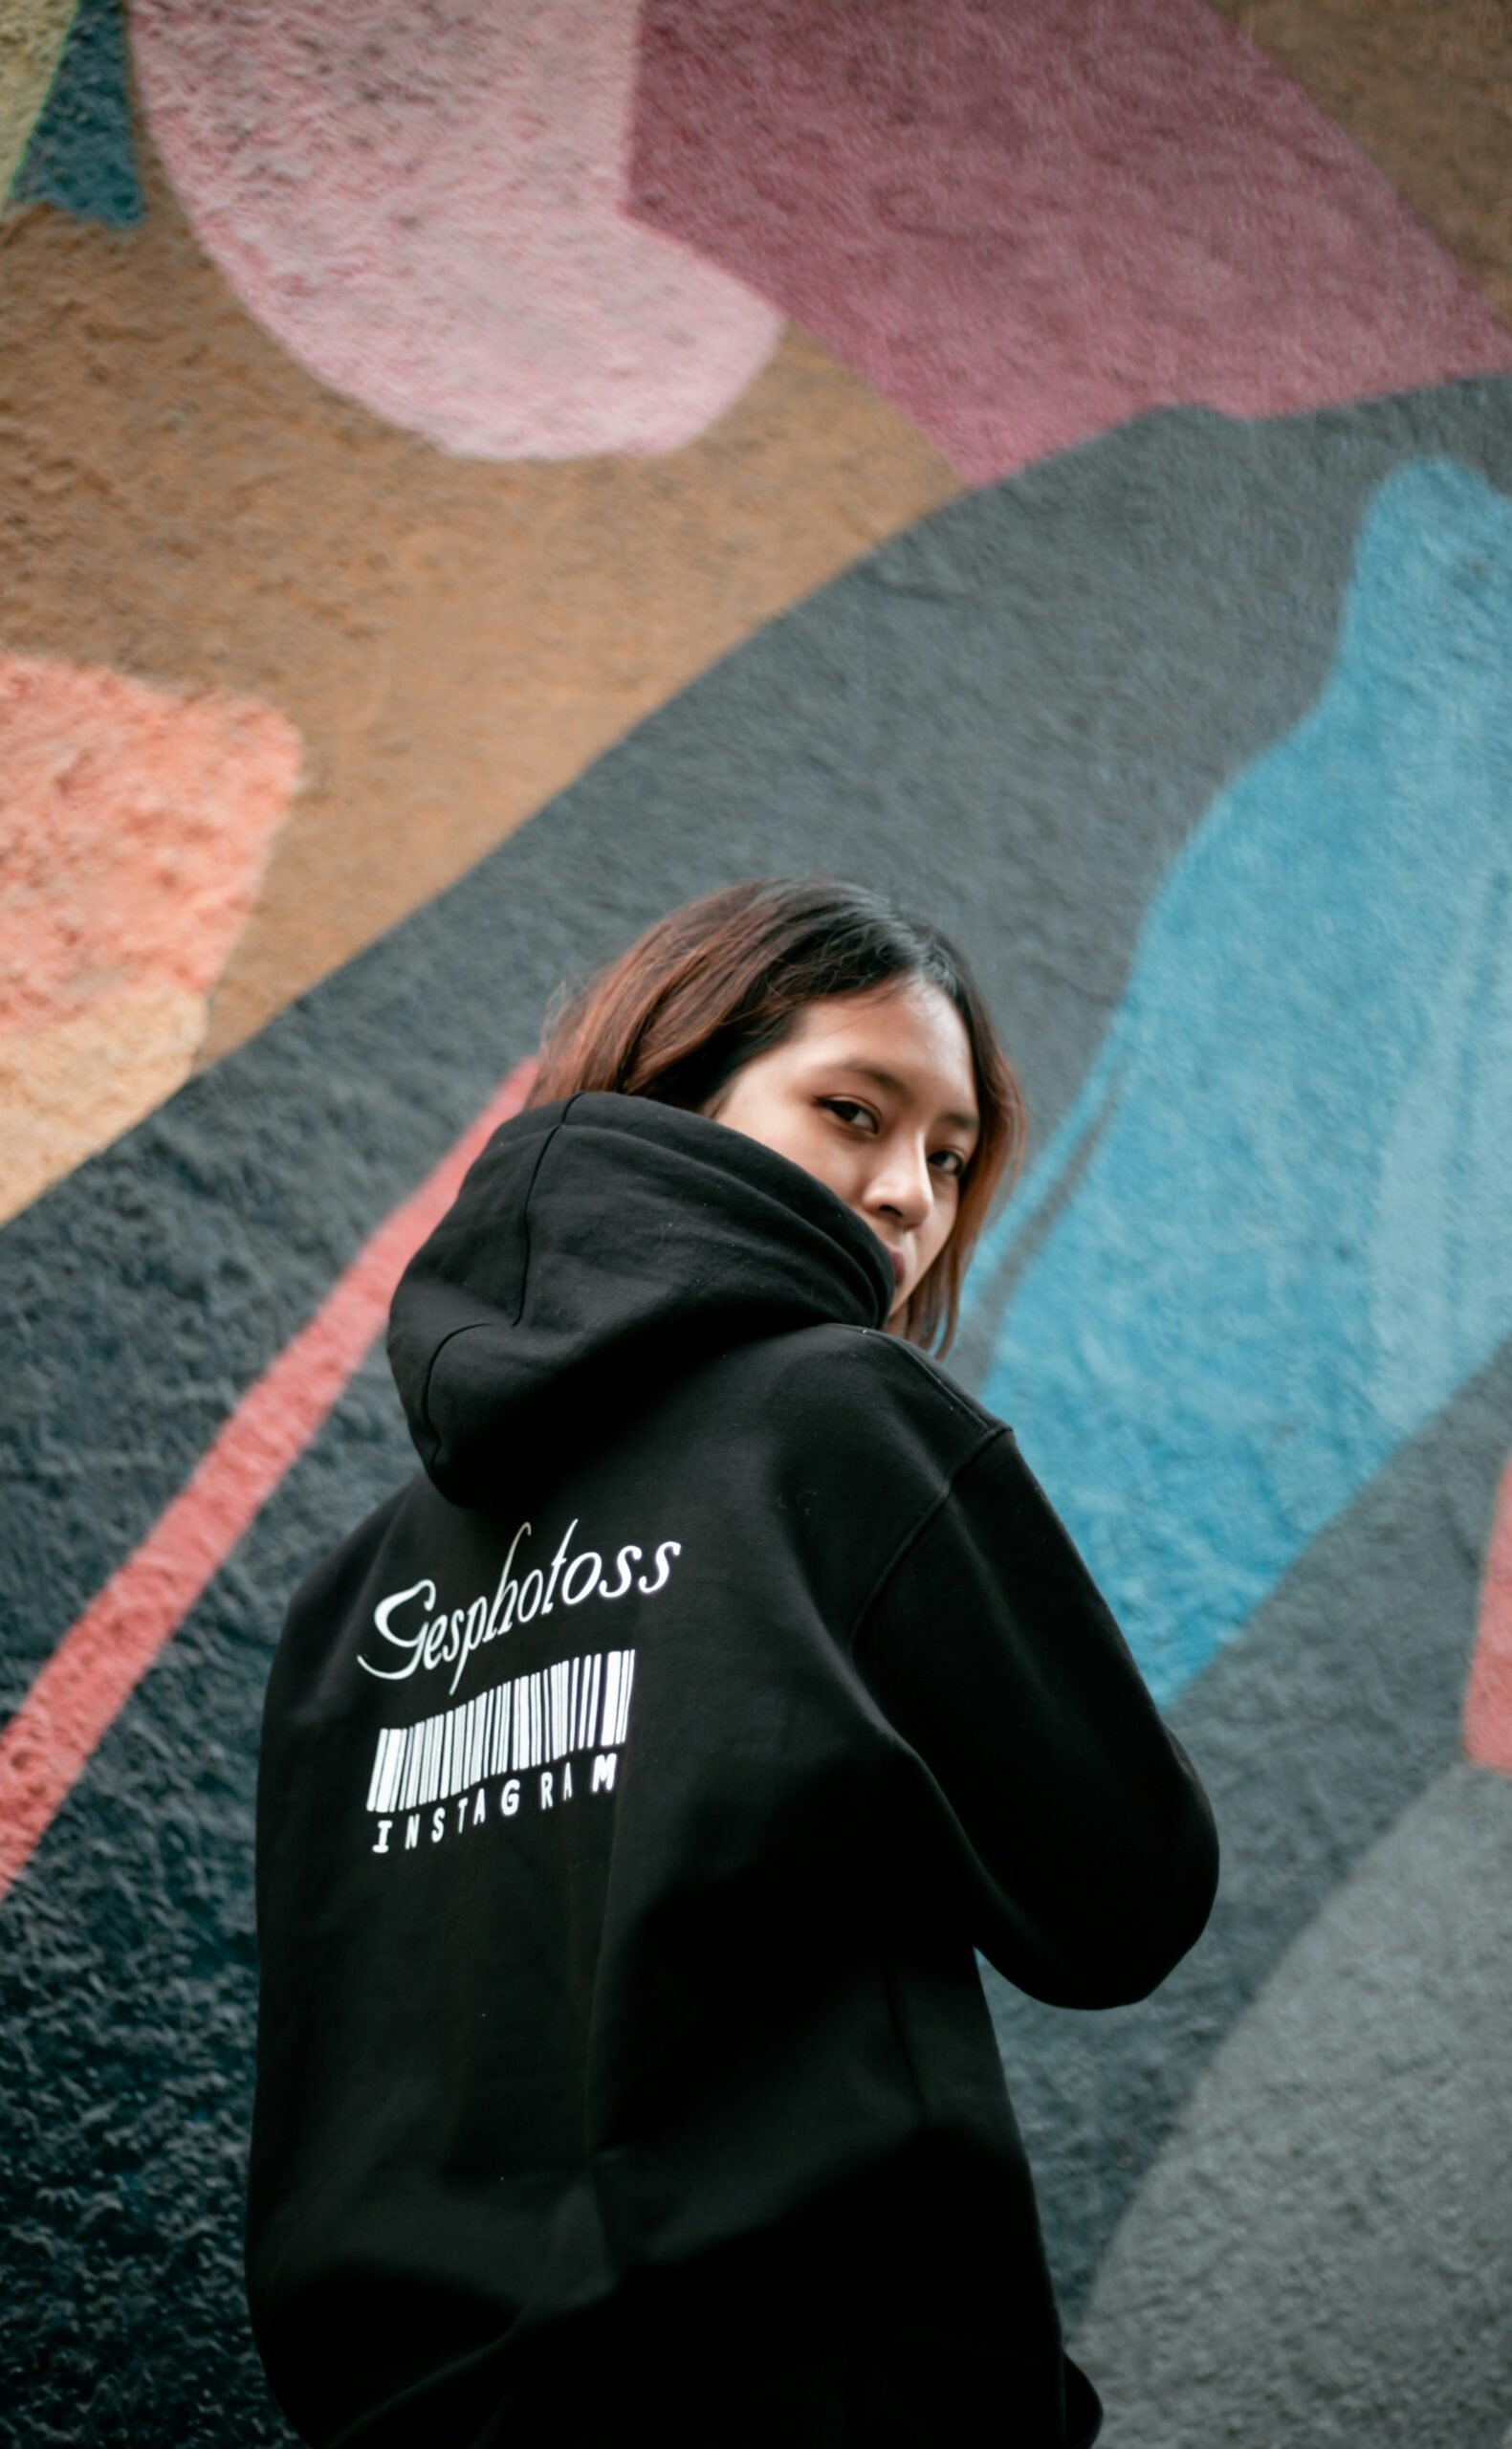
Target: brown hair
x,y
724,978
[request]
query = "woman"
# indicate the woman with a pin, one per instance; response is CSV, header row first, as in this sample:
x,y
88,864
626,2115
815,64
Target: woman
x,y
638,1782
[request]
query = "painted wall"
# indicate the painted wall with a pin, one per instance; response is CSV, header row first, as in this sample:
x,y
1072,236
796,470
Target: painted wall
x,y
475,479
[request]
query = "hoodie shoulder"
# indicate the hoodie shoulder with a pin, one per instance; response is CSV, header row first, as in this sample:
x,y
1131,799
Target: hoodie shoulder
x,y
867,1385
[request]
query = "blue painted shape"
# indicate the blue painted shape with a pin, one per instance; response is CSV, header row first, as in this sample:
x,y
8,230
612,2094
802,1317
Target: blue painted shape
x,y
1289,1244
81,155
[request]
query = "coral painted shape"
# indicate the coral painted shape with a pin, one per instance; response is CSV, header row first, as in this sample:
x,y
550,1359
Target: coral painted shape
x,y
133,827
1488,1697
81,156
1286,1249
1027,221
427,212
32,35
101,1661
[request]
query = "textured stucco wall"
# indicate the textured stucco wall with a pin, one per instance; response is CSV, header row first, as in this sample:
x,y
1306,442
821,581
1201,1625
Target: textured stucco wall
x,y
335,729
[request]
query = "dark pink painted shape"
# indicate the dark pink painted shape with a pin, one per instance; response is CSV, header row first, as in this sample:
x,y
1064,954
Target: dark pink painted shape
x,y
1488,1698
1027,221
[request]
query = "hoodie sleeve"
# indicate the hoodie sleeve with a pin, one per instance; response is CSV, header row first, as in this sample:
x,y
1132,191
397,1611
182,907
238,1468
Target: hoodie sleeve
x,y
1090,1855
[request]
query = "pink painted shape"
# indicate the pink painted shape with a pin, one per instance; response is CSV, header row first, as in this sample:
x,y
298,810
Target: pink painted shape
x,y
101,1661
1027,221
133,827
425,209
1488,1697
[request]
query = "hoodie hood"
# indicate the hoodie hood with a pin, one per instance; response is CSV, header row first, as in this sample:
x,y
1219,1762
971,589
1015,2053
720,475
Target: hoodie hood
x,y
594,1240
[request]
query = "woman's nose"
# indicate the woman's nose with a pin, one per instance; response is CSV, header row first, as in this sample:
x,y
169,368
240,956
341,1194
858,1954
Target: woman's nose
x,y
904,1187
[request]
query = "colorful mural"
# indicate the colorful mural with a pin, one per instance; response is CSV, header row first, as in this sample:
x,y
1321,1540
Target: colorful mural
x,y
431,552
1300,1261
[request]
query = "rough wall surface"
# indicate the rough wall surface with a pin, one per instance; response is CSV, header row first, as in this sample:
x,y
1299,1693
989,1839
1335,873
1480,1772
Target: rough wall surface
x,y
336,728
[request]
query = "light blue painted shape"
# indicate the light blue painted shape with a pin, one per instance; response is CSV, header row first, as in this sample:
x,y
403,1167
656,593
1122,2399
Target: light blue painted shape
x,y
1292,1240
81,156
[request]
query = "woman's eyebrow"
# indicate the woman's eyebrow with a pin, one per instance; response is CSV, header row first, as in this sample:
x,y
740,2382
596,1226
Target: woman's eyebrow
x,y
889,1080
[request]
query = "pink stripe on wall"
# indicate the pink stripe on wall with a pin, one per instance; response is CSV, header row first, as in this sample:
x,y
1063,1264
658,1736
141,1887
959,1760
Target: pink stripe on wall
x,y
1488,1696
99,1661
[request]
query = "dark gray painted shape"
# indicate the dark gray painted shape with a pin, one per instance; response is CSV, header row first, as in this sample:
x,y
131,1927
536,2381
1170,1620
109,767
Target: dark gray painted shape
x,y
1324,2251
1014,714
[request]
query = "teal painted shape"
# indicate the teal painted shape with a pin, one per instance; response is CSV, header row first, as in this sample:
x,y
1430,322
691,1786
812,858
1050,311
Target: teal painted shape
x,y
81,156
1289,1241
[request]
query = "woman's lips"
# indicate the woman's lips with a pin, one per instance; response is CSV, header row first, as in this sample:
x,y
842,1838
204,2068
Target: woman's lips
x,y
900,1264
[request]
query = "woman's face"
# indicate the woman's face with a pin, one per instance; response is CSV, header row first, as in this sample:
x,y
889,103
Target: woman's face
x,y
876,1094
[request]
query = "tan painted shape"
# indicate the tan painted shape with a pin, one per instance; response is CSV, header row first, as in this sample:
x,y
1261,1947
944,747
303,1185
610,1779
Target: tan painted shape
x,y
455,641
1426,92
76,1084
33,33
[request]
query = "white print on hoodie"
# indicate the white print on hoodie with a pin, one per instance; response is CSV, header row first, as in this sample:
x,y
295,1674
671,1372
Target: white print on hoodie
x,y
450,1639
532,1723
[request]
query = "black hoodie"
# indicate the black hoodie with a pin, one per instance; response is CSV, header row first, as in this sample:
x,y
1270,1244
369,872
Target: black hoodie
x,y
636,1786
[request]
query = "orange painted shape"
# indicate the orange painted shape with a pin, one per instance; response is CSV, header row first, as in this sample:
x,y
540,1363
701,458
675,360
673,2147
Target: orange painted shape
x,y
135,826
99,1661
1488,1697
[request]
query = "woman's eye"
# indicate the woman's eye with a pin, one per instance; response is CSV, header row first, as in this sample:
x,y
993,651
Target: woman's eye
x,y
955,1164
843,1106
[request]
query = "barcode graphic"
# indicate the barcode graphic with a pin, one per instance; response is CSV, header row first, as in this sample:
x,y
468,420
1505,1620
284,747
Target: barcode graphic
x,y
579,1705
